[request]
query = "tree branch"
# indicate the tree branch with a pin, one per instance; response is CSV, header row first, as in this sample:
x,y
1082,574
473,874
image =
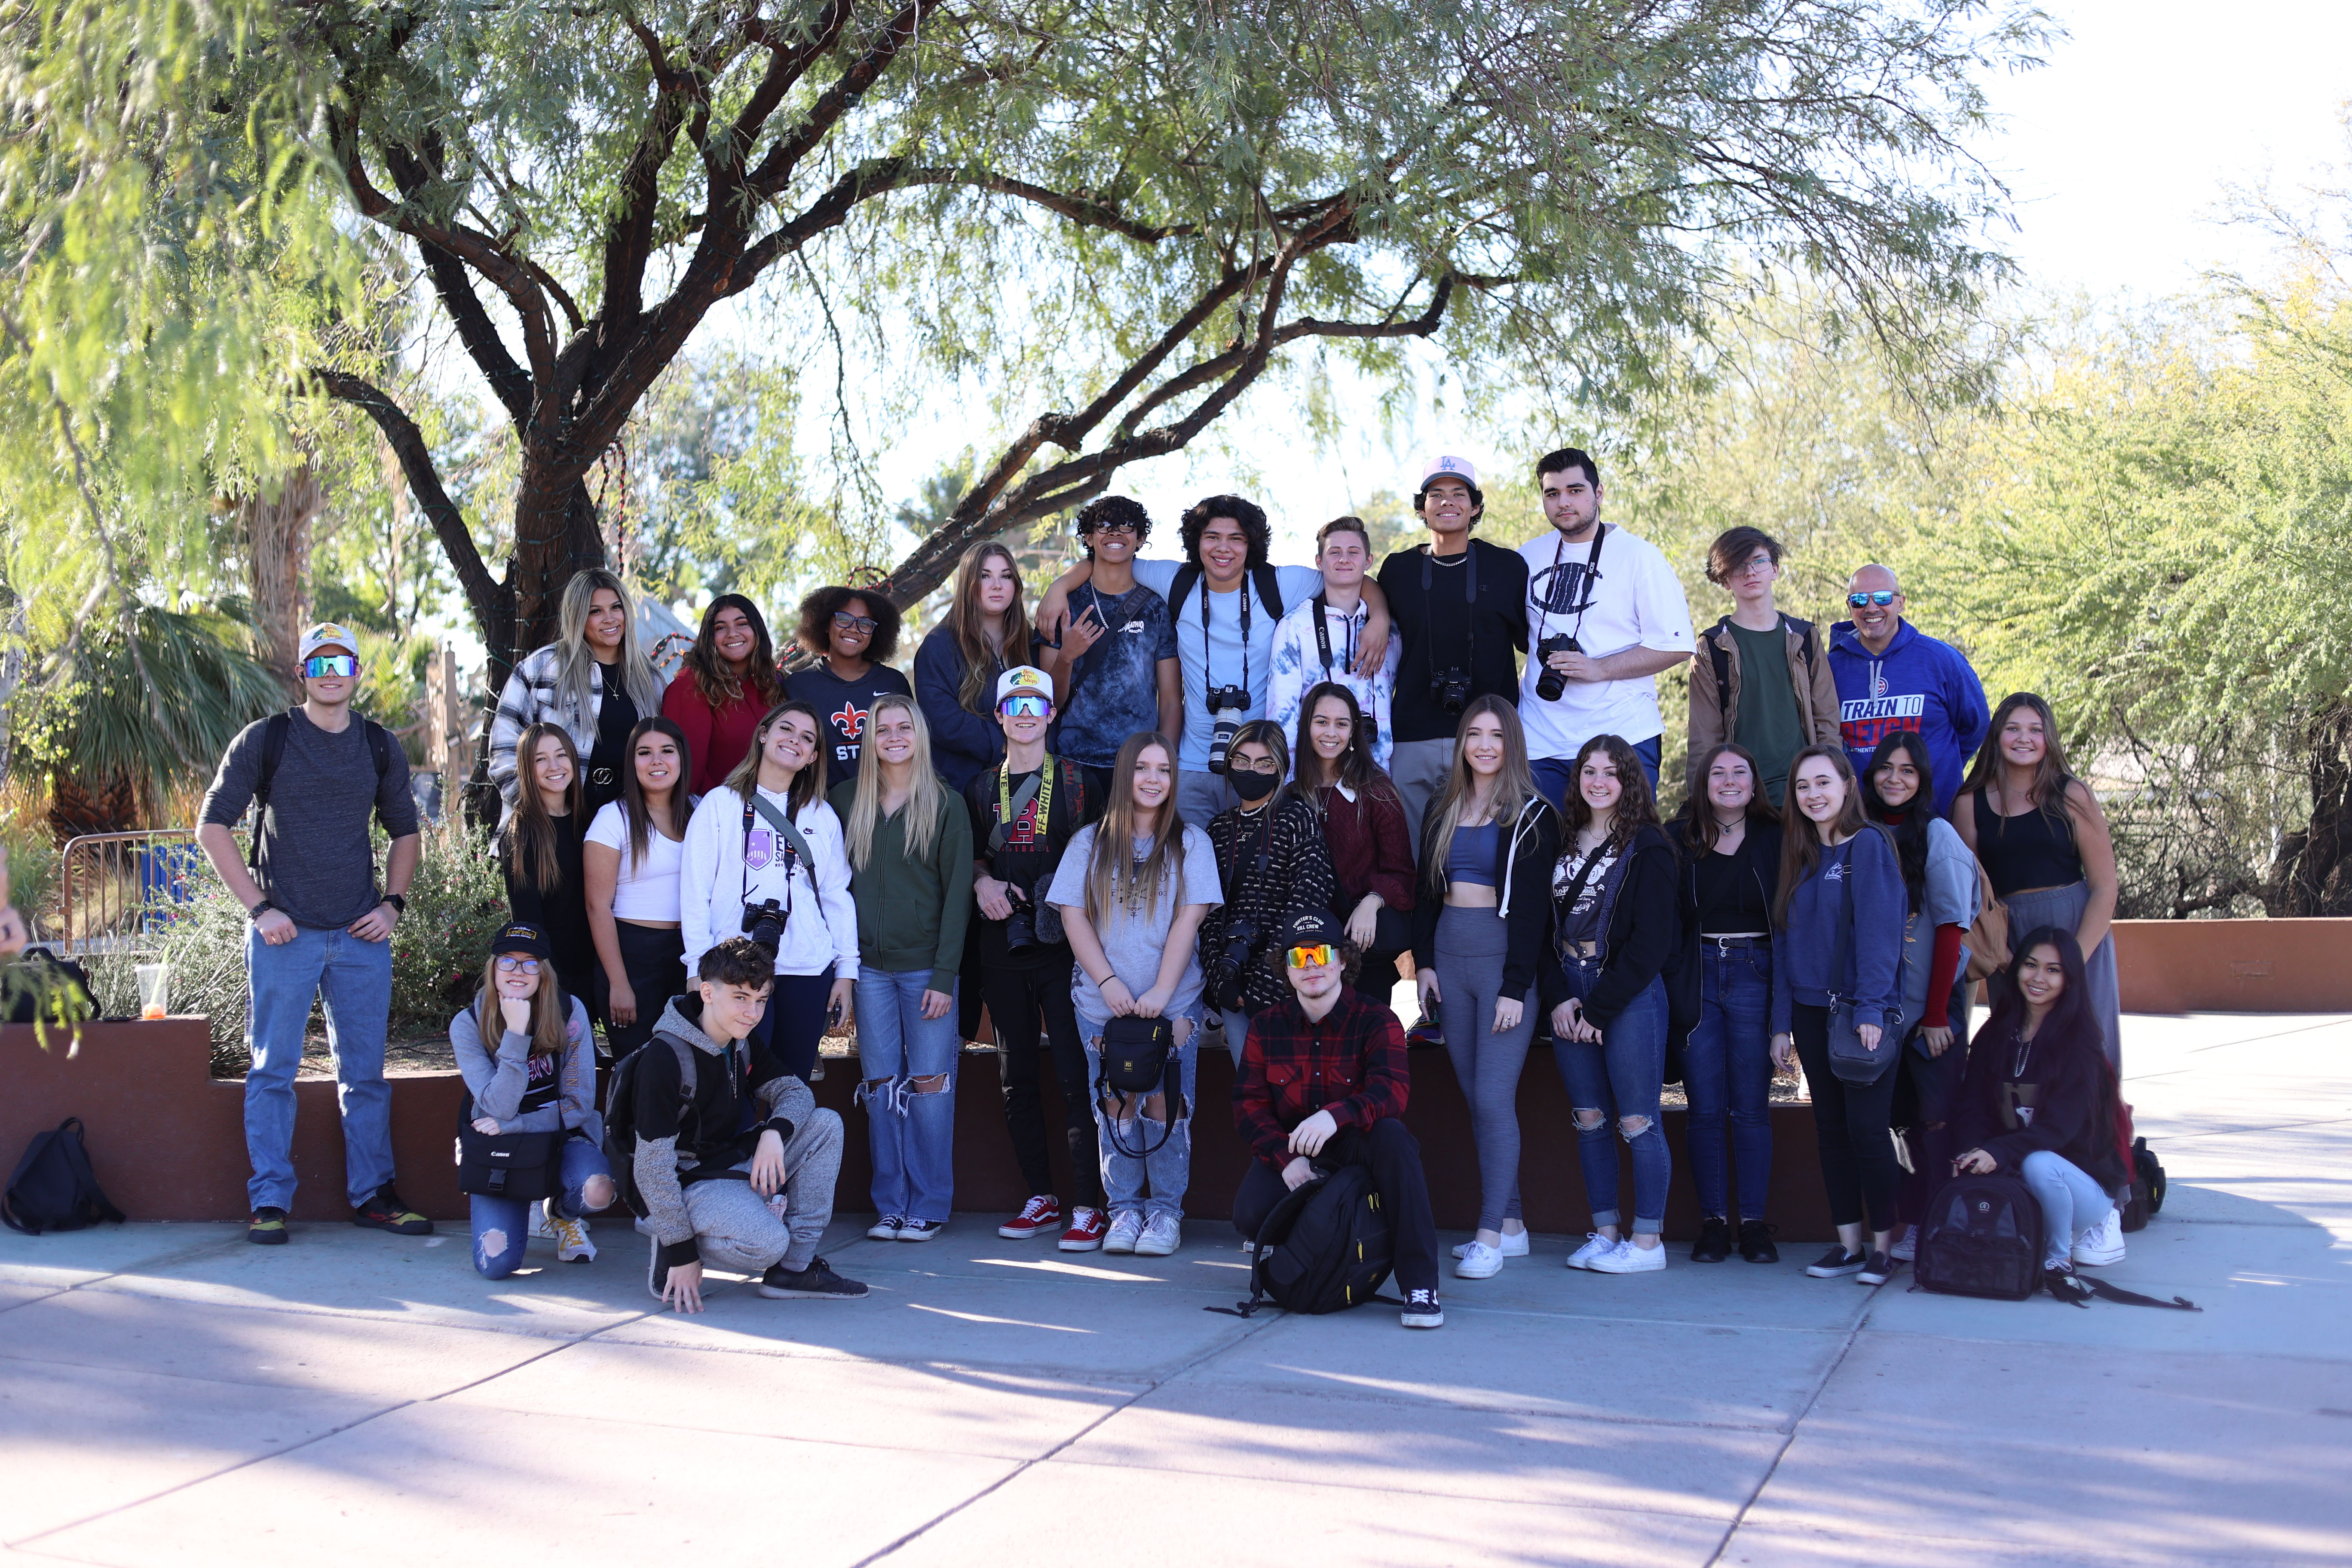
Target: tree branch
x,y
775,170
407,443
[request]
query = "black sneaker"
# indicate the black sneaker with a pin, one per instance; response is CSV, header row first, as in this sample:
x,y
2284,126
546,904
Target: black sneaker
x,y
267,1228
1422,1310
1876,1269
657,1271
1836,1262
1755,1242
818,1282
1714,1244
386,1212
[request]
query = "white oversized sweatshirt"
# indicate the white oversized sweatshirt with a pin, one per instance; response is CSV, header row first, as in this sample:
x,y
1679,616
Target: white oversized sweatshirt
x,y
714,885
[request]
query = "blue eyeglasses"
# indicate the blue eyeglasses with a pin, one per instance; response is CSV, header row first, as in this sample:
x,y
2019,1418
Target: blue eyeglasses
x,y
1882,598
322,664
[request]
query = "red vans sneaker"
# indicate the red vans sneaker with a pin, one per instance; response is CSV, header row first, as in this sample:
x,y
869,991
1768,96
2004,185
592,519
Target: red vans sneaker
x,y
1038,1216
1087,1229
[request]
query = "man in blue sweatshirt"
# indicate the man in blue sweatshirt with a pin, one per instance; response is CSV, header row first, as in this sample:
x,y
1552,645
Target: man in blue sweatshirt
x,y
1892,676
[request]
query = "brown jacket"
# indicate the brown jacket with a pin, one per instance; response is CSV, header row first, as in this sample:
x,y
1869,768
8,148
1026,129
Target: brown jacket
x,y
1715,705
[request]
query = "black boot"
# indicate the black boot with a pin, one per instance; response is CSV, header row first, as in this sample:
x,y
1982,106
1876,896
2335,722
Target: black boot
x,y
1714,1244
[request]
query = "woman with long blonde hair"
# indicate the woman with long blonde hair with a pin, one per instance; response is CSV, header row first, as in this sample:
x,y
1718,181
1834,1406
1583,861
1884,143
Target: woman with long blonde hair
x,y
1484,905
985,632
1133,890
524,1049
592,680
768,846
910,857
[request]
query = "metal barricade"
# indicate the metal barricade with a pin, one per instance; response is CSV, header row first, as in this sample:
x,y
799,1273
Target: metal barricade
x,y
119,887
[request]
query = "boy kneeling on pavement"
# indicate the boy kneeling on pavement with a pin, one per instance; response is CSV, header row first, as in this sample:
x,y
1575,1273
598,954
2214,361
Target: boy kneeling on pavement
x,y
709,1175
1323,1085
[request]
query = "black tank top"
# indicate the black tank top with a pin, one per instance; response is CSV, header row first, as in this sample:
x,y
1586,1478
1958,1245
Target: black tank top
x,y
2028,851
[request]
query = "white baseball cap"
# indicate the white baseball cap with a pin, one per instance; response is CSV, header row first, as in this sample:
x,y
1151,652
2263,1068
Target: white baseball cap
x,y
1023,677
327,634
1443,467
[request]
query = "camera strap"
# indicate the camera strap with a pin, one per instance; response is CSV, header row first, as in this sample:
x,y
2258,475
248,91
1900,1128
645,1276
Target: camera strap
x,y
795,847
1469,600
1583,590
1009,804
1323,634
1208,676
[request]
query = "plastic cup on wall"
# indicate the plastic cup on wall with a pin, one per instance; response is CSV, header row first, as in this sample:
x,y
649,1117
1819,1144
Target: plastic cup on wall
x,y
153,990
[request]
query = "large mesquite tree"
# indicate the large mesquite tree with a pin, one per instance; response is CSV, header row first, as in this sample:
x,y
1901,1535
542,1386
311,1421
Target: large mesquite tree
x,y
1128,211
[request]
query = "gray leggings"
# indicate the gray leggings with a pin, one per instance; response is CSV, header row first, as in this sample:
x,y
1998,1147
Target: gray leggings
x,y
1470,946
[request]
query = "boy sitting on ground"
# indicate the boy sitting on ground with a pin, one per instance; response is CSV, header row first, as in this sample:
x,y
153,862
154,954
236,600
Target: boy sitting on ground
x,y
707,1175
1322,1085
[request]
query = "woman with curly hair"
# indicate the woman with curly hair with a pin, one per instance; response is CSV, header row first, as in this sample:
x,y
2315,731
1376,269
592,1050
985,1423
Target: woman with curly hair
x,y
727,681
853,632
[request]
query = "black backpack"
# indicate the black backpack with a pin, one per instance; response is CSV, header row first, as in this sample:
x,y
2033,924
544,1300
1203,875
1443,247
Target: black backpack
x,y
53,1188
1324,1249
2146,1187
621,1113
1188,577
1982,1236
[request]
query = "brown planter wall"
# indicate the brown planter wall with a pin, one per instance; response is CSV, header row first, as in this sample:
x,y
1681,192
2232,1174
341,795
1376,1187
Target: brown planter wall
x,y
167,1141
2235,966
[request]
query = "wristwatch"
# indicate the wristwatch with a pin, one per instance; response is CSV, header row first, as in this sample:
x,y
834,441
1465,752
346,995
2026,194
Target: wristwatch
x,y
399,902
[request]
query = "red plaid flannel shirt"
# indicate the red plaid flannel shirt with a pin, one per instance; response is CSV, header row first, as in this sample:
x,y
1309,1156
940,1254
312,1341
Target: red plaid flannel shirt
x,y
1352,1064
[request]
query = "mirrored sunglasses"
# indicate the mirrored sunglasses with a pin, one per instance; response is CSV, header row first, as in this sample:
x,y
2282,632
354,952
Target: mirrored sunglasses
x,y
322,664
1321,953
1025,705
1882,598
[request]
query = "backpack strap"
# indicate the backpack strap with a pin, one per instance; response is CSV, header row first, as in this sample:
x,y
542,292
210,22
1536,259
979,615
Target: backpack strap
x,y
2106,1292
1269,588
1720,656
1806,645
1181,589
273,751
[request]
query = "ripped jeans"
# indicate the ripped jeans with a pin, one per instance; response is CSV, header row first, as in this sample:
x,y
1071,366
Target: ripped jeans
x,y
1165,1167
1620,1079
502,1226
906,1064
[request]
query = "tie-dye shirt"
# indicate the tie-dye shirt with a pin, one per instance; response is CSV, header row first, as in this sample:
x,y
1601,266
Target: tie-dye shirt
x,y
1298,668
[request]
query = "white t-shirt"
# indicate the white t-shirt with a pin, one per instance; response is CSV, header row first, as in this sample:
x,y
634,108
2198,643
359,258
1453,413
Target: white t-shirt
x,y
647,892
1636,600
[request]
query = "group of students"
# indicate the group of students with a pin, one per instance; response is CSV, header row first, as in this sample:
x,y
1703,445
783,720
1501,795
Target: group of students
x,y
1213,797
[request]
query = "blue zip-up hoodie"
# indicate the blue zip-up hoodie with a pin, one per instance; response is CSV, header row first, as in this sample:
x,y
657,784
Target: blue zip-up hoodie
x,y
1864,871
1918,683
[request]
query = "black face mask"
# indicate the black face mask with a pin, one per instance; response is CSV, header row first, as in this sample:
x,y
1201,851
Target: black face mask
x,y
1252,787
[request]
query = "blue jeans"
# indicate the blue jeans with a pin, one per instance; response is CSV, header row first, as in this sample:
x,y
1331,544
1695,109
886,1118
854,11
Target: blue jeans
x,y
2072,1203
1727,1066
1556,776
353,980
1167,1168
502,1226
1620,1078
912,1135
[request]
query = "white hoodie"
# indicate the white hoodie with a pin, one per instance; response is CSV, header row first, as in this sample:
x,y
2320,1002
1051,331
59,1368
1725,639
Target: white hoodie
x,y
713,888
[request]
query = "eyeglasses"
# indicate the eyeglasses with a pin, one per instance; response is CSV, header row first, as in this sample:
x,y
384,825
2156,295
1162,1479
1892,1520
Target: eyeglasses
x,y
1882,598
1025,705
1314,957
1114,528
517,966
1247,765
324,664
843,621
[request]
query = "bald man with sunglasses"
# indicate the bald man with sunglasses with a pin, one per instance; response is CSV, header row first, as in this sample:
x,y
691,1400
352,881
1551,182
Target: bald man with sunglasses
x,y
1892,676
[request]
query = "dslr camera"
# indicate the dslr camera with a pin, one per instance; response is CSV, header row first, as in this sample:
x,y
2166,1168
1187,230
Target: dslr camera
x,y
1551,682
763,922
1221,737
1450,689
1232,962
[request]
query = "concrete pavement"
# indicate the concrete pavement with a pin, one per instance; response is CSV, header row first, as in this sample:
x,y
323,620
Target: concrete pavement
x,y
169,1394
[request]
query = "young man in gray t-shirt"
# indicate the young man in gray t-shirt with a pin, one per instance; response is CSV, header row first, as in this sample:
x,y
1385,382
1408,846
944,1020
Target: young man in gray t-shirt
x,y
320,928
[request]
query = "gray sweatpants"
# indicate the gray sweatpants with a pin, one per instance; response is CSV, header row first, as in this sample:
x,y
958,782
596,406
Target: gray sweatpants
x,y
735,1228
1470,947
1419,768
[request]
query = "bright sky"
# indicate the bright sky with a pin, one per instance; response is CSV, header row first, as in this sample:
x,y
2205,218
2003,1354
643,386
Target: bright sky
x,y
2118,154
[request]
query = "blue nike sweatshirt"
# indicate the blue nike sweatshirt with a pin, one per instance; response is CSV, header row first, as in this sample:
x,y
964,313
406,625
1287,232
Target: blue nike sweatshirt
x,y
1918,683
1863,871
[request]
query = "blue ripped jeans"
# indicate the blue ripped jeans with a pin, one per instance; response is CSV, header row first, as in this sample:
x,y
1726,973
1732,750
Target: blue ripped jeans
x,y
912,1135
1167,1167
502,1226
1621,1077
1728,1074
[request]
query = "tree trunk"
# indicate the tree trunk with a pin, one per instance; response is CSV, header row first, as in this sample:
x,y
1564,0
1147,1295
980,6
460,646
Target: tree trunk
x,y
277,531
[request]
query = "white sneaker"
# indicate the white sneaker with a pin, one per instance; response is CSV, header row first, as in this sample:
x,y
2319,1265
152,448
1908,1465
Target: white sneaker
x,y
1515,1244
1595,1245
541,1221
1126,1229
2103,1243
571,1243
887,1227
1162,1235
1627,1258
1480,1261
1907,1249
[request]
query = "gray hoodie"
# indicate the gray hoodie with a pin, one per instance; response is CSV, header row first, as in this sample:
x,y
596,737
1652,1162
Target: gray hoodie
x,y
500,1080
